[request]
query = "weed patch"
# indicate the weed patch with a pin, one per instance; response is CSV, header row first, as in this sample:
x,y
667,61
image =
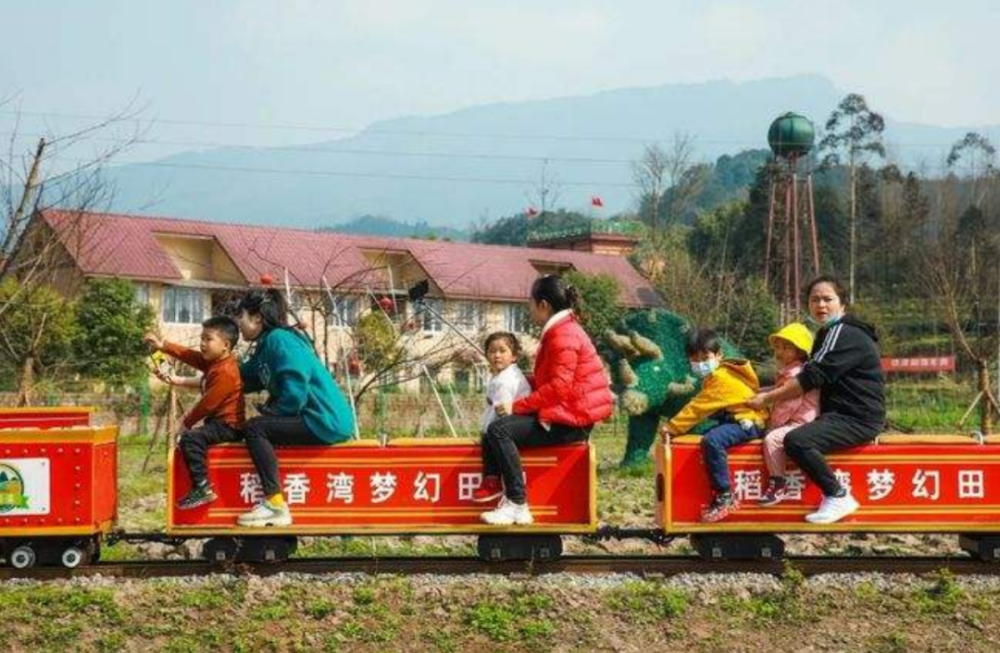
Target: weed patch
x,y
516,618
648,602
943,596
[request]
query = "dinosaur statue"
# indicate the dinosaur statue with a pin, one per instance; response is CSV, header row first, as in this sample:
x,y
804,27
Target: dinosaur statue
x,y
651,375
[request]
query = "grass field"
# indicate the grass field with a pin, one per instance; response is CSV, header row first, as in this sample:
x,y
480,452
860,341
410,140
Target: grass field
x,y
447,615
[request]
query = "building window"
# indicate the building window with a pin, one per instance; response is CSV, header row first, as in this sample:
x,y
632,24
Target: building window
x,y
515,318
429,320
301,301
469,316
468,380
142,294
183,305
343,310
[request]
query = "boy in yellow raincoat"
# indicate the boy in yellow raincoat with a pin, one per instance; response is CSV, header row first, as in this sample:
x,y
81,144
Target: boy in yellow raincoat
x,y
726,387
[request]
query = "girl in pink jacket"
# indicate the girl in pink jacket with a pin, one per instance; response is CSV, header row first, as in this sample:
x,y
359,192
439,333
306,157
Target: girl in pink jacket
x,y
792,345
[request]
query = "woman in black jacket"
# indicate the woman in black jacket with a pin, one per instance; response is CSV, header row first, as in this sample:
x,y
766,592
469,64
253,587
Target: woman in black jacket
x,y
846,367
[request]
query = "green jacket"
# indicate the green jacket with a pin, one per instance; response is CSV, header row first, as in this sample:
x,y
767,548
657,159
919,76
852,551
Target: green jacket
x,y
284,364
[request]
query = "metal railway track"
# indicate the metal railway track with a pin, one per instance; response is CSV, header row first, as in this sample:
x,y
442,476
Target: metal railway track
x,y
647,566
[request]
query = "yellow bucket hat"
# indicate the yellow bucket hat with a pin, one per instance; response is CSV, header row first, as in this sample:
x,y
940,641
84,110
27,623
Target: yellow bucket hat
x,y
796,333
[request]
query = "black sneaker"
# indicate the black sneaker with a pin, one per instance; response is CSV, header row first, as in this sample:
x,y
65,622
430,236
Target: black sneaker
x,y
199,495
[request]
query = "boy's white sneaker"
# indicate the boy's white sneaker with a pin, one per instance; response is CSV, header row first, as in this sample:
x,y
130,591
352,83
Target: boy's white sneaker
x,y
833,509
264,514
508,513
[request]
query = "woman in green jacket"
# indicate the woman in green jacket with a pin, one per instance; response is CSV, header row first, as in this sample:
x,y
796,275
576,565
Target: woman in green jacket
x,y
304,405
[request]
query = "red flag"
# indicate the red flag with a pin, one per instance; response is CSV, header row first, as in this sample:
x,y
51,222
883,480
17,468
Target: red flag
x,y
531,212
596,201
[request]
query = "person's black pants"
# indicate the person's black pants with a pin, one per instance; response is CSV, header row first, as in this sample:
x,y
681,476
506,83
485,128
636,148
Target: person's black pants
x,y
507,434
830,432
263,433
194,444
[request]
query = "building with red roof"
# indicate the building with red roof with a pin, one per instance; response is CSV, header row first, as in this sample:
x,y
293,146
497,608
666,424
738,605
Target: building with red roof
x,y
189,269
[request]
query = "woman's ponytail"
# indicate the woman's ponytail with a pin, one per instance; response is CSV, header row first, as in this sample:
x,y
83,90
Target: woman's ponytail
x,y
573,298
556,292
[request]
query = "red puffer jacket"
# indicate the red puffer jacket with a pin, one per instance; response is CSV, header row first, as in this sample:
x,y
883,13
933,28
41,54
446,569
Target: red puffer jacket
x,y
571,386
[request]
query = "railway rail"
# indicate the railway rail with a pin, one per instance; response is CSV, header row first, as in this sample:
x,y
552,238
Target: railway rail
x,y
645,566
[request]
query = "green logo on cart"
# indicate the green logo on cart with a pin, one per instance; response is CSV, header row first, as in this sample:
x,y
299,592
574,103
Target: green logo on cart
x,y
11,489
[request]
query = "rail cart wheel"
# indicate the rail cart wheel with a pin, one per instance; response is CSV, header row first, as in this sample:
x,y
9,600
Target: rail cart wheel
x,y
266,549
503,548
220,549
71,557
982,546
738,546
22,557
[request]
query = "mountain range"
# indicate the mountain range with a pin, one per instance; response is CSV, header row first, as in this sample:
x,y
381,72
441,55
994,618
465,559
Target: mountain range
x,y
484,162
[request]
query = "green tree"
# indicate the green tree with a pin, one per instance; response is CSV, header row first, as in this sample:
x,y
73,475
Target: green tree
x,y
36,336
711,238
112,321
515,229
375,341
601,308
853,134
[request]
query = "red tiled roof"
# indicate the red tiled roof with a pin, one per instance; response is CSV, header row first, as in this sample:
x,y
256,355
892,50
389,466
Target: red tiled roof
x,y
109,244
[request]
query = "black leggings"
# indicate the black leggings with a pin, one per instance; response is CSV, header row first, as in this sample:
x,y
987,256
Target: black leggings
x,y
830,432
263,433
506,434
194,444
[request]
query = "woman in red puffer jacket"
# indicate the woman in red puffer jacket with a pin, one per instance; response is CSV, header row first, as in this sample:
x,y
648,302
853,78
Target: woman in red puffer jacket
x,y
571,394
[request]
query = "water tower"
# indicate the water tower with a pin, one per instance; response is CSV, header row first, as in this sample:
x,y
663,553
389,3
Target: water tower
x,y
791,215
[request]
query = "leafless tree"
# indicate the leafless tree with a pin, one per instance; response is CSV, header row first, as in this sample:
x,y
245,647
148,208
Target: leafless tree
x,y
669,181
33,180
547,191
650,176
950,295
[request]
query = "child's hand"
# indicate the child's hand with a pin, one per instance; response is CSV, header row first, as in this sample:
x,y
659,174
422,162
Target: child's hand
x,y
667,432
153,340
504,409
758,401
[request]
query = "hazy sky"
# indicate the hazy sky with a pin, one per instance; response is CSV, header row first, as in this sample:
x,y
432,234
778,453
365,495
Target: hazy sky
x,y
342,64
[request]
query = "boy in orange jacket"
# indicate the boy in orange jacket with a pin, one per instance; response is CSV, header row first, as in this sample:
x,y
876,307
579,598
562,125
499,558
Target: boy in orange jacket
x,y
726,386
221,407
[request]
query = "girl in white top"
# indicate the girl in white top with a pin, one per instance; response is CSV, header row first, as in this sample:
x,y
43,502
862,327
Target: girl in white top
x,y
508,382
506,386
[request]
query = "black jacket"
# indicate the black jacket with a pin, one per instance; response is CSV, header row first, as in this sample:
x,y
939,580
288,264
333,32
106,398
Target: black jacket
x,y
847,369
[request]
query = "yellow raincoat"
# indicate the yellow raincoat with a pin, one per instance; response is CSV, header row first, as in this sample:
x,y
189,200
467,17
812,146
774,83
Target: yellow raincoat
x,y
727,389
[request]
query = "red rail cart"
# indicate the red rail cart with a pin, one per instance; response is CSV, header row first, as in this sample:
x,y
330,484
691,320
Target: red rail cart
x,y
58,491
413,486
904,483
45,417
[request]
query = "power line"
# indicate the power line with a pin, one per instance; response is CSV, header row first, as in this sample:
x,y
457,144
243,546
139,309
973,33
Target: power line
x,y
325,150
358,175
404,132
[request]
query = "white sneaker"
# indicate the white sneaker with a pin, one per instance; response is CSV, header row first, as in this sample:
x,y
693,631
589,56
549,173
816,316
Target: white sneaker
x,y
508,513
833,509
264,514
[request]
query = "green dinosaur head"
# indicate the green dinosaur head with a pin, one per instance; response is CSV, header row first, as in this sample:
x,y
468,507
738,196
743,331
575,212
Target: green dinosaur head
x,y
650,369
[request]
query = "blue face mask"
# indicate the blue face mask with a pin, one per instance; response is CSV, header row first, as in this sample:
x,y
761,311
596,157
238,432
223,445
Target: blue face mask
x,y
703,368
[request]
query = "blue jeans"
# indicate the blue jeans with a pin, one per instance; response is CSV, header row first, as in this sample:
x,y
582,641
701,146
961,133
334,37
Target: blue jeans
x,y
713,451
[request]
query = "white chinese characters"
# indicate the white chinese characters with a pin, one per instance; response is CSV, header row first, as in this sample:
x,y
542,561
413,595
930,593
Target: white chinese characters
x,y
880,483
339,487
427,487
383,486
